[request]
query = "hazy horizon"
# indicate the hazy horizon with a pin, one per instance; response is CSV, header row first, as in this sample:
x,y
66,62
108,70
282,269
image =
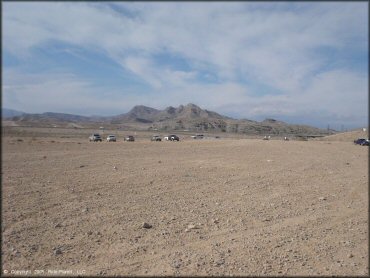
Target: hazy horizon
x,y
297,62
288,121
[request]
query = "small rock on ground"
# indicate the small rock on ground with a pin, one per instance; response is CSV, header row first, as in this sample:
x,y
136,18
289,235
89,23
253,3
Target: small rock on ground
x,y
147,225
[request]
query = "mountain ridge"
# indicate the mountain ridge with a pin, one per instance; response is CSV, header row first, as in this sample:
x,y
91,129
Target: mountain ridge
x,y
184,117
7,113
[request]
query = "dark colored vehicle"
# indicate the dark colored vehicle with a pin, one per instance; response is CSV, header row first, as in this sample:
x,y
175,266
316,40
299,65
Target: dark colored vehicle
x,y
95,137
155,138
129,138
173,138
361,141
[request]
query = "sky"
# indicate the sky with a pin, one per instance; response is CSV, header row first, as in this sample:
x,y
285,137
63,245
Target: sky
x,y
299,62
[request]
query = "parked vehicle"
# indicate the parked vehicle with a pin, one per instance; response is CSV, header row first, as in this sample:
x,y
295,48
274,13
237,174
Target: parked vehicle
x,y
359,141
172,138
95,137
111,138
155,138
362,142
197,136
129,138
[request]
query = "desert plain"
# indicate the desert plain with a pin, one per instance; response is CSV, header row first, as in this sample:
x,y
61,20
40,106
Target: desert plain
x,y
233,206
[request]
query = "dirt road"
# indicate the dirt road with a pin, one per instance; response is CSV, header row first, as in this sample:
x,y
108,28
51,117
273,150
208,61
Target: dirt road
x,y
214,207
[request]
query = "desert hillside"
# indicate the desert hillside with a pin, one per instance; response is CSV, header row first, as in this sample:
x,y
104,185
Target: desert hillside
x,y
348,136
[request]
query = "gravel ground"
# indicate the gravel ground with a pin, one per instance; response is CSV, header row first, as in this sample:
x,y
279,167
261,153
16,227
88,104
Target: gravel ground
x,y
194,207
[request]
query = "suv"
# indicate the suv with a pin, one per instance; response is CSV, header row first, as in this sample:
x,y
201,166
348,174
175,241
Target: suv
x,y
111,138
155,138
129,138
362,142
95,137
173,138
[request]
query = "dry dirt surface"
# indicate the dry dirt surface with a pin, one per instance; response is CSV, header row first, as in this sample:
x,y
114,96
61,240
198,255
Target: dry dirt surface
x,y
211,207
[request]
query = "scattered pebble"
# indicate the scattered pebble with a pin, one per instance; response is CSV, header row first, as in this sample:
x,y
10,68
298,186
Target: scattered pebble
x,y
147,225
176,264
192,226
57,252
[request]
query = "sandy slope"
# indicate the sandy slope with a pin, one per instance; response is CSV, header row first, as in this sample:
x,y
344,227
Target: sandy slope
x,y
347,136
217,207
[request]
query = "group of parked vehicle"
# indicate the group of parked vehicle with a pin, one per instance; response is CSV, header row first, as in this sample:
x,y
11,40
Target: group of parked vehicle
x,y
362,142
112,138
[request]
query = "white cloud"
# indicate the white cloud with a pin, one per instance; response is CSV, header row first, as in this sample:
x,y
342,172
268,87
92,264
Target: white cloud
x,y
65,93
340,92
277,45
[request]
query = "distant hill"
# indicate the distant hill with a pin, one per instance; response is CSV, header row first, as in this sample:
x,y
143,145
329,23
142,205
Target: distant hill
x,y
189,117
348,136
51,117
8,113
144,114
140,114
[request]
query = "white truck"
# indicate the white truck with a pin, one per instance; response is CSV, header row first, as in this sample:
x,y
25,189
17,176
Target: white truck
x,y
95,138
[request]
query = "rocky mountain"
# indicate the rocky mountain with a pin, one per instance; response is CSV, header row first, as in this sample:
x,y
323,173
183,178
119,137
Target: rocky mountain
x,y
144,114
189,117
140,114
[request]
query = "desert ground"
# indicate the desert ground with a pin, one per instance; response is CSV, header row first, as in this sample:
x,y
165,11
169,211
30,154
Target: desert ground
x,y
222,207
